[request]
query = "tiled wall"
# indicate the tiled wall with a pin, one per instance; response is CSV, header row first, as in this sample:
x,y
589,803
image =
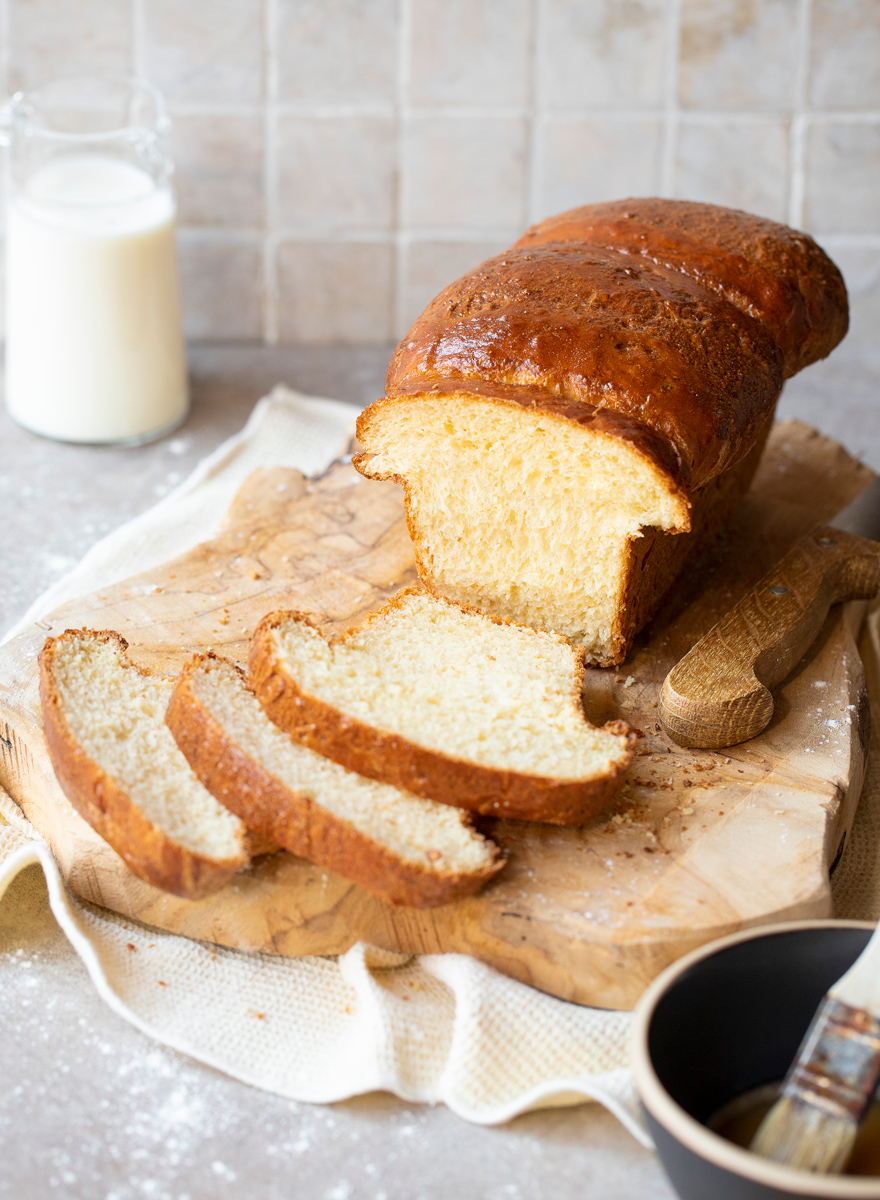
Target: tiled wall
x,y
339,161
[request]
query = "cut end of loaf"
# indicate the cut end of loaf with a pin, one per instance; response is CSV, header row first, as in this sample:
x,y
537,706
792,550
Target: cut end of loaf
x,y
472,711
520,513
120,767
404,849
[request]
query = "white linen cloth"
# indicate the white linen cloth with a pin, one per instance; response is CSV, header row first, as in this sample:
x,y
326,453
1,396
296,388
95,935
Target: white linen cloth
x,y
432,1028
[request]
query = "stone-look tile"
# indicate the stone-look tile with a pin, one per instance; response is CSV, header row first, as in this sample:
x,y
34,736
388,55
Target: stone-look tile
x,y
2,287
842,177
219,170
603,53
337,51
845,54
335,292
429,266
470,52
336,173
222,288
583,162
738,163
860,266
52,38
738,54
205,51
465,173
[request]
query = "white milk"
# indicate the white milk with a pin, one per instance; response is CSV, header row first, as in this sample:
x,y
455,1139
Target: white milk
x,y
94,347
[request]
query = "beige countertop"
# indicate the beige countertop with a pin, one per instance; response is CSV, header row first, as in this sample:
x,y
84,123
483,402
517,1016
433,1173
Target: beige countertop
x,y
90,1107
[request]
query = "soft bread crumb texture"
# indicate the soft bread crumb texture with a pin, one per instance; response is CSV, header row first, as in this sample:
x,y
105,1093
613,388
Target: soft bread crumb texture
x,y
519,513
431,836
117,715
491,693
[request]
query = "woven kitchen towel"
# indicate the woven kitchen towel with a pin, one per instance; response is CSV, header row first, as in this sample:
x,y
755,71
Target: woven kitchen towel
x,y
285,429
430,1028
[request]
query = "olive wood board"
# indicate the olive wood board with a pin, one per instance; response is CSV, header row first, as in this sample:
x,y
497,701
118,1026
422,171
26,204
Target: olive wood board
x,y
696,844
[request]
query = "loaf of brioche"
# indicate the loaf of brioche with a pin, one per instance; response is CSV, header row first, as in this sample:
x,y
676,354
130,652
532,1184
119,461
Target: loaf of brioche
x,y
401,848
446,703
572,419
117,763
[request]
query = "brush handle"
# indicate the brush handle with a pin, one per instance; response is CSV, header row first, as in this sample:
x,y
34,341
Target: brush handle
x,y
859,987
719,694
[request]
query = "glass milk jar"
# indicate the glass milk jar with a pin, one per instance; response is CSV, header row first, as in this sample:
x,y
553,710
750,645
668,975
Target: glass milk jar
x,y
94,350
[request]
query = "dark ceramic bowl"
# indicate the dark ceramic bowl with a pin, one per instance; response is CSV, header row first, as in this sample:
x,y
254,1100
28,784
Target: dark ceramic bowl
x,y
721,1022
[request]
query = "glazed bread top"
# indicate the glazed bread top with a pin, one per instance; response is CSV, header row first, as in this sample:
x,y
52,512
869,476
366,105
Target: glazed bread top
x,y
775,274
673,327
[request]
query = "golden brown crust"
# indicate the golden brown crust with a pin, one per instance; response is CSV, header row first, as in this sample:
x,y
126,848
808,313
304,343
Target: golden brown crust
x,y
593,328
778,275
100,800
393,759
655,560
681,318
666,324
304,828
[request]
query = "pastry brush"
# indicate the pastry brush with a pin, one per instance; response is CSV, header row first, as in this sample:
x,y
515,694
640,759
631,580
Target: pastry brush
x,y
824,1096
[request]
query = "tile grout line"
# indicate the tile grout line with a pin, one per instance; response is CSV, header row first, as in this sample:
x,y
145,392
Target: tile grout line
x,y
401,245
5,48
857,241
536,129
270,174
671,110
798,152
139,40
322,112
207,235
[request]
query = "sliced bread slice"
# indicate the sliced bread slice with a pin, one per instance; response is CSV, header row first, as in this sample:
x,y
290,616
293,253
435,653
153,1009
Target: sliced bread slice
x,y
443,701
397,846
119,766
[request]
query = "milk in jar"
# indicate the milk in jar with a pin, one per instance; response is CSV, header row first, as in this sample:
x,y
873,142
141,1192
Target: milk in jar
x,y
94,345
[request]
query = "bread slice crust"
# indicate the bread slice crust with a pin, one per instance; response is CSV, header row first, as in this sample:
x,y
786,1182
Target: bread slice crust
x,y
293,819
147,849
656,560
391,758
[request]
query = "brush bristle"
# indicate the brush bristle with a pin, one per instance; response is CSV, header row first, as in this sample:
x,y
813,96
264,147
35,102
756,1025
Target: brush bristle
x,y
802,1135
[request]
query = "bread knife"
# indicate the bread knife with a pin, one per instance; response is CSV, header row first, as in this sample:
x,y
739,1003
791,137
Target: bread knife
x,y
719,693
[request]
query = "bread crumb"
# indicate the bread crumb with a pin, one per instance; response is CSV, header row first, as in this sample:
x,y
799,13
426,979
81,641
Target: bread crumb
x,y
630,680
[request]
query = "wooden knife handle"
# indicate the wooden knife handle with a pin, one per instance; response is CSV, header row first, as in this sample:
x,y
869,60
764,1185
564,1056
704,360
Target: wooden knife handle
x,y
719,694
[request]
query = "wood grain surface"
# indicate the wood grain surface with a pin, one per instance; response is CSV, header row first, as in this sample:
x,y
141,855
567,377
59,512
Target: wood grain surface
x,y
720,692
696,844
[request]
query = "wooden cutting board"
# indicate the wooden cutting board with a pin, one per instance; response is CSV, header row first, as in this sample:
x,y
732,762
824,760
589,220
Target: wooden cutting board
x,y
696,844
